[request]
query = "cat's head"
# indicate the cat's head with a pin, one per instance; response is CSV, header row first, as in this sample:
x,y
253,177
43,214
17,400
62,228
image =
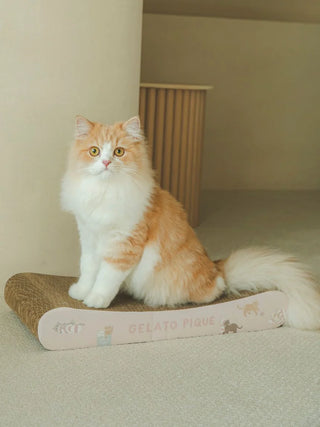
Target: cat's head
x,y
109,151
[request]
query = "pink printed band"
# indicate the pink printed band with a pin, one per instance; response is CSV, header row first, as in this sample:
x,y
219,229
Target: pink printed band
x,y
67,328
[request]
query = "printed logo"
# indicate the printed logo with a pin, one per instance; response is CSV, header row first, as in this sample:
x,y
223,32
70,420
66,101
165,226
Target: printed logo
x,y
70,328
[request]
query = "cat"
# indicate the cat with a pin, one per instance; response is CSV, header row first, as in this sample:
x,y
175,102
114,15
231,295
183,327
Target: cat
x,y
135,236
230,327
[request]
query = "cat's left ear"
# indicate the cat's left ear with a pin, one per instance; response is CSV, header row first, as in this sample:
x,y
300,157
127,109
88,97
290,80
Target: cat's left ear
x,y
133,127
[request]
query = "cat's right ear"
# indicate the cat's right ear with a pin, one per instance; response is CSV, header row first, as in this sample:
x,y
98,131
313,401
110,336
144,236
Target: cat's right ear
x,y
82,127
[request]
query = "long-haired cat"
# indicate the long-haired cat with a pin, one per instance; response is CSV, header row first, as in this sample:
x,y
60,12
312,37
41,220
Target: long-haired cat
x,y
135,236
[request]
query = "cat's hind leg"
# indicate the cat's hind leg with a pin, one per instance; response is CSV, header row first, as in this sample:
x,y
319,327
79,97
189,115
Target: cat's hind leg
x,y
206,294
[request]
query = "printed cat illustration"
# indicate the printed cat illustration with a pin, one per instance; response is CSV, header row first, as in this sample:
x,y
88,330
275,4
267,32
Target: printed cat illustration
x,y
230,327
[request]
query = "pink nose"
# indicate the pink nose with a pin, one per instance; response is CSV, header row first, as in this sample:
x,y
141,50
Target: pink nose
x,y
106,163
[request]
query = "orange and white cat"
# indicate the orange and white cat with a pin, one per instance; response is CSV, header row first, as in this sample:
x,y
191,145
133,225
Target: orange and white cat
x,y
135,236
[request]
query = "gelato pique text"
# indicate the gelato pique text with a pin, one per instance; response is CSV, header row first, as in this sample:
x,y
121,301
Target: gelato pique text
x,y
167,325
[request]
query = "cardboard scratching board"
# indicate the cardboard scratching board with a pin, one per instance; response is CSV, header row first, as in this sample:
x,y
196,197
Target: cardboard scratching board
x,y
60,322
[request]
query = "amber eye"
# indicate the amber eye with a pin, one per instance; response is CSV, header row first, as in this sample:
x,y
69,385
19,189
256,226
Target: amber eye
x,y
119,152
94,151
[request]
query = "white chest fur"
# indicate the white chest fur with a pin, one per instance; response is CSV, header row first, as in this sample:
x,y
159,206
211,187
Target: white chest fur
x,y
105,205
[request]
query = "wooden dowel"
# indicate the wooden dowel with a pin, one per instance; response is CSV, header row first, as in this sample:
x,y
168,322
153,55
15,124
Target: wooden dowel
x,y
175,163
199,157
194,190
159,132
150,118
142,106
190,141
168,133
183,147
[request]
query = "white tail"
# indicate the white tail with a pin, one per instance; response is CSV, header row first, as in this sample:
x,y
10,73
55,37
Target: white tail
x,y
259,269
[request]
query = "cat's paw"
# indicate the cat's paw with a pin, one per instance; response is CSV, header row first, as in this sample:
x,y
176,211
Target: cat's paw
x,y
97,300
76,291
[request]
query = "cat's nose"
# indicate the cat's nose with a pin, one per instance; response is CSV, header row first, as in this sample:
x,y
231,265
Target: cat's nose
x,y
106,163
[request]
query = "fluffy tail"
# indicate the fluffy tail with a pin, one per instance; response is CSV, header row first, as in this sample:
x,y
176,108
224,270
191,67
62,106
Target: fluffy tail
x,y
260,269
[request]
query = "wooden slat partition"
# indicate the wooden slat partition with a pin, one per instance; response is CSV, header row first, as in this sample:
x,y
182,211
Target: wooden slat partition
x,y
172,117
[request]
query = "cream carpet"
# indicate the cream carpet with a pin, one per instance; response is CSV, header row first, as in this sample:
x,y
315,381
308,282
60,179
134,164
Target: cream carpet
x,y
269,378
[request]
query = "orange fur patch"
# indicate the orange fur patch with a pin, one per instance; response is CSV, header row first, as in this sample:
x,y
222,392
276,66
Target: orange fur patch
x,y
184,262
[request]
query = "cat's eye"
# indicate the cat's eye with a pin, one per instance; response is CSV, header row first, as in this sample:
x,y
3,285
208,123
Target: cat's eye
x,y
119,152
94,151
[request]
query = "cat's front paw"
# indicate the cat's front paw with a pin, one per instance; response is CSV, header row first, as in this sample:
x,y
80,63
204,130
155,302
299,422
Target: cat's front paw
x,y
76,291
97,300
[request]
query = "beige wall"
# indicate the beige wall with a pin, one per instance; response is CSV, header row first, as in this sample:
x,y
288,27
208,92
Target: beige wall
x,y
263,116
58,58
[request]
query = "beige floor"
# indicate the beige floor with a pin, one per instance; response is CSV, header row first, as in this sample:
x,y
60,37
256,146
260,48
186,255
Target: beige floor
x,y
269,378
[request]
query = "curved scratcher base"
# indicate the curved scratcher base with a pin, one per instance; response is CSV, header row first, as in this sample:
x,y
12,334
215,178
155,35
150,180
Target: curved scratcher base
x,y
60,322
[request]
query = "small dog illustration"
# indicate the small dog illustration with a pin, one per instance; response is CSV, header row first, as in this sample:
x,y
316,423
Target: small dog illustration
x,y
230,327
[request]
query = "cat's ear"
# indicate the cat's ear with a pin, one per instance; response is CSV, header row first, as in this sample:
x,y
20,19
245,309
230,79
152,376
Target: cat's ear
x,y
82,127
133,128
